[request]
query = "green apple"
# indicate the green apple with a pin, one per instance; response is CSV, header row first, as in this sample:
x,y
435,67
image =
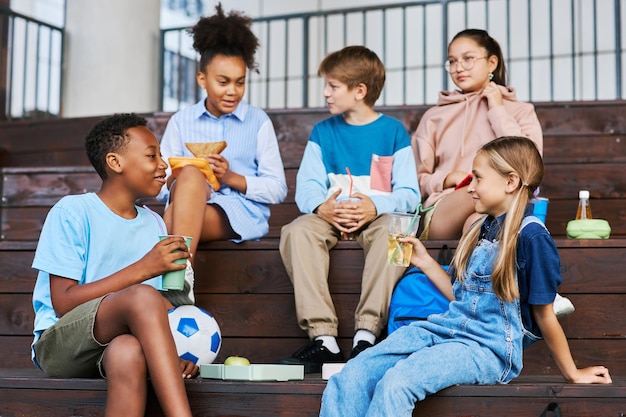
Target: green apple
x,y
237,361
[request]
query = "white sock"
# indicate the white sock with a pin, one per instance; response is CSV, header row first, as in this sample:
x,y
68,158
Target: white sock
x,y
329,343
363,334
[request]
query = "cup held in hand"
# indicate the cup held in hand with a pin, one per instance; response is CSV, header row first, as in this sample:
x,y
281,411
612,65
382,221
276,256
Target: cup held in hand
x,y
400,225
353,235
175,280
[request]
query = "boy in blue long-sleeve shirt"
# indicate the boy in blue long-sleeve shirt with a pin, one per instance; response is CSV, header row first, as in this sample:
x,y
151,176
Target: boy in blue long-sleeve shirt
x,y
357,166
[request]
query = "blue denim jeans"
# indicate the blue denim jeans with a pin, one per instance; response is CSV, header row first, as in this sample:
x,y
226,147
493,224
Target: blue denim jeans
x,y
478,341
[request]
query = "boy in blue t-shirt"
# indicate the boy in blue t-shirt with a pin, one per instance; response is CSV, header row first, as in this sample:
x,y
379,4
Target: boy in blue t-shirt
x,y
357,166
93,316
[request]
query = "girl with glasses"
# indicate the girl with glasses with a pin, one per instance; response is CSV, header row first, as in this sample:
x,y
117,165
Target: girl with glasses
x,y
481,109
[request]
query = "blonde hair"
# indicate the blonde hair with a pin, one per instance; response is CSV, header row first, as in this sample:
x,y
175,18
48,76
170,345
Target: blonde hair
x,y
507,155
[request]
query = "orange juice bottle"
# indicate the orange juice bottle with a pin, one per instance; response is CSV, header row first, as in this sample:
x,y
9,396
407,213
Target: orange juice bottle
x,y
584,209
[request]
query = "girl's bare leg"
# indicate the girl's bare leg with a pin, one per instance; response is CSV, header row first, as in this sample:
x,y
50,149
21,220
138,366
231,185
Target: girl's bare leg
x,y
141,311
186,212
450,216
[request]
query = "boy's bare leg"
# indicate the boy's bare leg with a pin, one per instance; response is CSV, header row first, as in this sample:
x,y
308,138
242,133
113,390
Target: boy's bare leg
x,y
140,311
127,377
450,215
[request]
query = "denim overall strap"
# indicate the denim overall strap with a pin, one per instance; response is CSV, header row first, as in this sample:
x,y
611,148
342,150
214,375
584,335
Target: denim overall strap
x,y
483,317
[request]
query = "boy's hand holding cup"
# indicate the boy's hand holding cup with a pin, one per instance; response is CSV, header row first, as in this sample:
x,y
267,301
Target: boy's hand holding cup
x,y
175,279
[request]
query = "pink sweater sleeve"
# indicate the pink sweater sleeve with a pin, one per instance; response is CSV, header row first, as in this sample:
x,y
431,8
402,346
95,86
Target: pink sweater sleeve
x,y
519,121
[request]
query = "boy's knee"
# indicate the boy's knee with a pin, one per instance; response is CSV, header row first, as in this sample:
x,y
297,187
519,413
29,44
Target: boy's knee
x,y
124,357
143,291
297,228
144,297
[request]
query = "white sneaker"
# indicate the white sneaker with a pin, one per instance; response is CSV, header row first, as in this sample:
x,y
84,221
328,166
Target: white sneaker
x,y
562,306
184,296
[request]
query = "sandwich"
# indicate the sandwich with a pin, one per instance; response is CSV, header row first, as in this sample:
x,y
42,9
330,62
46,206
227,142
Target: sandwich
x,y
200,151
204,149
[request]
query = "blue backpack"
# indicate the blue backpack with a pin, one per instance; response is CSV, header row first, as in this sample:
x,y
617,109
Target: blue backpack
x,y
415,297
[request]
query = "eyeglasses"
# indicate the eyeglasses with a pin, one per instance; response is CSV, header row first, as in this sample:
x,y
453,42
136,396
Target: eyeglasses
x,y
452,65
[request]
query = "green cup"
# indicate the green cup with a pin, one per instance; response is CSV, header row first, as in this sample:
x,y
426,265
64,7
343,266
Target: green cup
x,y
175,280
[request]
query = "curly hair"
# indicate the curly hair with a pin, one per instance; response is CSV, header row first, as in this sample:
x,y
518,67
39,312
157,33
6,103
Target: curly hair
x,y
228,35
110,135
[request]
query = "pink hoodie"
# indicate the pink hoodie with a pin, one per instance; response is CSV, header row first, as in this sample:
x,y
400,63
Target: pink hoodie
x,y
449,135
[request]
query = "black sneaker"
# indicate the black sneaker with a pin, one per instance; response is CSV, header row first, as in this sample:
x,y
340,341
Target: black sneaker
x,y
312,356
360,347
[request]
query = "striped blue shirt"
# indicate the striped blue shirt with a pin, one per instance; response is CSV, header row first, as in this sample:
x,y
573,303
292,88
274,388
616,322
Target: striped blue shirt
x,y
252,151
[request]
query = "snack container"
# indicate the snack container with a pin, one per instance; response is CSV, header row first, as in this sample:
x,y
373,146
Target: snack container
x,y
588,229
258,372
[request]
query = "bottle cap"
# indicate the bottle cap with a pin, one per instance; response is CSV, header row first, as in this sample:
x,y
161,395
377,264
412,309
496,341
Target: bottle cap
x,y
583,194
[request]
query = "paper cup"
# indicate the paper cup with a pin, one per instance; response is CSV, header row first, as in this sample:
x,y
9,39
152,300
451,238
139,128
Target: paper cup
x,y
175,280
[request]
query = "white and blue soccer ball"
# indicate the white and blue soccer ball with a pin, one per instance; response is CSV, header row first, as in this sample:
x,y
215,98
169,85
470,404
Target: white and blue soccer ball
x,y
196,334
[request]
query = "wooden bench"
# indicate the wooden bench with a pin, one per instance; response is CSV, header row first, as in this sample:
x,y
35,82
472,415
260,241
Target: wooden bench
x,y
245,286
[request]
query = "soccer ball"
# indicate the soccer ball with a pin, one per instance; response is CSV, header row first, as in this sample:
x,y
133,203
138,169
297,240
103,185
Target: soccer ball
x,y
196,334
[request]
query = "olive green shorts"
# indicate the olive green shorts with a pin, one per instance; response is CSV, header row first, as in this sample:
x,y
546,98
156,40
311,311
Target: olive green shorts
x,y
68,348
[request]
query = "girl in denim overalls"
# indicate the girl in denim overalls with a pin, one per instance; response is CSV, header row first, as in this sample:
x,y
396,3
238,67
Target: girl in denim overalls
x,y
505,270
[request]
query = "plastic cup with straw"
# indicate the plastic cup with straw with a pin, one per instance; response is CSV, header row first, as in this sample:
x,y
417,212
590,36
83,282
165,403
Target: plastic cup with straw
x,y
402,225
344,235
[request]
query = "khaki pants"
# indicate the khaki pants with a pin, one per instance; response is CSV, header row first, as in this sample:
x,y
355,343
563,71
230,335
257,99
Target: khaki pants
x,y
304,247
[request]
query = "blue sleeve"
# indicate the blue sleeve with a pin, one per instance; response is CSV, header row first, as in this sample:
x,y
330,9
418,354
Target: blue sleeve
x,y
540,265
311,180
268,186
61,249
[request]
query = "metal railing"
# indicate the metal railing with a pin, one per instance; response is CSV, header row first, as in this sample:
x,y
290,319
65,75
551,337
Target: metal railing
x,y
30,67
555,50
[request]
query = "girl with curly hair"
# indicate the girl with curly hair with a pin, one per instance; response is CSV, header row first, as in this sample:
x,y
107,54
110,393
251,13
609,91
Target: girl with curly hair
x,y
250,170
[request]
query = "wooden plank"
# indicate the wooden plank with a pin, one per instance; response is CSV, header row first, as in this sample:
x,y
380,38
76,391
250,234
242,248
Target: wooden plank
x,y
25,223
15,352
45,189
582,117
537,359
603,180
273,315
586,352
518,407
561,181
587,266
584,148
63,137
17,275
17,314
